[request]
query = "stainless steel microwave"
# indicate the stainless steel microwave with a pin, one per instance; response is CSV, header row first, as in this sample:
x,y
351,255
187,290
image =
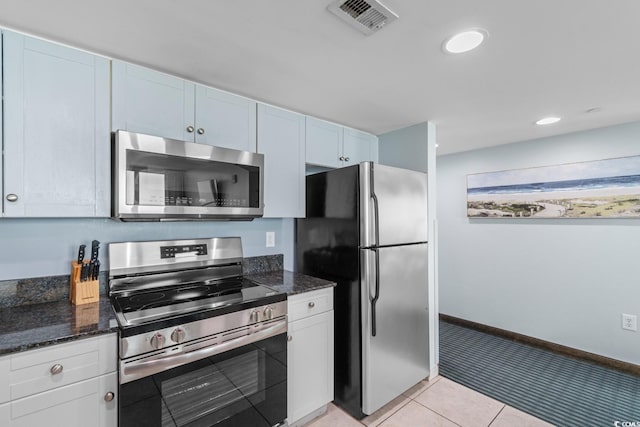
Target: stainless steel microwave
x,y
161,179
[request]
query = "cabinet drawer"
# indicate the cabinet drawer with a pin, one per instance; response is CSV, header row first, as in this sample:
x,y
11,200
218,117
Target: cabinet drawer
x,y
59,365
310,303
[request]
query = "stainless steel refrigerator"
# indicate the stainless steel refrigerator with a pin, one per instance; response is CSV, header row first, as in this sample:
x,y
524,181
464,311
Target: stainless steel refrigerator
x,y
366,229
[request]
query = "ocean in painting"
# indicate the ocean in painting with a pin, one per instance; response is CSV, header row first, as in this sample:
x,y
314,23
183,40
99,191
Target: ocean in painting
x,y
568,185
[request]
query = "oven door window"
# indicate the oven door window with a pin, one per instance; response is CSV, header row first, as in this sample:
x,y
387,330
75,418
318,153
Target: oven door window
x,y
246,386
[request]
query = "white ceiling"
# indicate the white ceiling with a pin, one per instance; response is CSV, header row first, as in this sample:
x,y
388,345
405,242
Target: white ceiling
x,y
543,57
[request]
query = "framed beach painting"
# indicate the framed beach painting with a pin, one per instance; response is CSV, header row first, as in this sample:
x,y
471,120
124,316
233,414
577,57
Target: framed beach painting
x,y
598,189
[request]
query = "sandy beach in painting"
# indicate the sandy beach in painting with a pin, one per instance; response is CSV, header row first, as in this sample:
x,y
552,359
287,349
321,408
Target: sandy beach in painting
x,y
621,202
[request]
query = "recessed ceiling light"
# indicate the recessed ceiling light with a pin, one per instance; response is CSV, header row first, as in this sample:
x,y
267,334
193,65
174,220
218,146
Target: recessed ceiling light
x,y
548,120
465,41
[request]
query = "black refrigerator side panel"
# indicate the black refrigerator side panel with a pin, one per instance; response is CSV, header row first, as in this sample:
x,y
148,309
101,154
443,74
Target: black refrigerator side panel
x,y
327,247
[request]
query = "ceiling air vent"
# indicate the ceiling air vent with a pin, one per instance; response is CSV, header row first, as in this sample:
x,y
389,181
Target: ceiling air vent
x,y
365,16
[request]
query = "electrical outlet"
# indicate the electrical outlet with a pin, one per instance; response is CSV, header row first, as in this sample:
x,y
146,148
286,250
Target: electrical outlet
x,y
271,239
630,322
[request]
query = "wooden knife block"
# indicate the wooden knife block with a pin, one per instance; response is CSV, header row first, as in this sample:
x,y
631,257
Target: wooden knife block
x,y
82,292
86,316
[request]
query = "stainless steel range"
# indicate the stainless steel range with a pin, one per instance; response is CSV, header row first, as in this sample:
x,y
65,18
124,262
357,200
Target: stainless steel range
x,y
199,343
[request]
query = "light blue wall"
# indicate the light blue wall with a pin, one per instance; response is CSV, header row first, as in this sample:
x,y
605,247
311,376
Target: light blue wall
x,y
405,148
562,280
44,247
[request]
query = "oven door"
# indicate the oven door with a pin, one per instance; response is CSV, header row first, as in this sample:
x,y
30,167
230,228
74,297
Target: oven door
x,y
246,386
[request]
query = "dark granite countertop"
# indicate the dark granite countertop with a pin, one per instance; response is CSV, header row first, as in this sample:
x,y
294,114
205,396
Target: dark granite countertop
x,y
38,325
31,326
290,282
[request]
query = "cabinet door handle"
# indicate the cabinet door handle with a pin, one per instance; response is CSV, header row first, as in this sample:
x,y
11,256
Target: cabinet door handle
x,y
200,131
289,338
190,129
312,304
12,197
341,158
346,159
109,396
56,369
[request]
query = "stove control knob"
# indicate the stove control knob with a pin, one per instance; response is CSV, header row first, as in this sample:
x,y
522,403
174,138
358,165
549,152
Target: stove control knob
x,y
157,341
268,312
178,335
254,316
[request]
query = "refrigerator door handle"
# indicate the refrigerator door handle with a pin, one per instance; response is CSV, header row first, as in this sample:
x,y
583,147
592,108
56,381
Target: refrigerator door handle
x,y
374,300
376,218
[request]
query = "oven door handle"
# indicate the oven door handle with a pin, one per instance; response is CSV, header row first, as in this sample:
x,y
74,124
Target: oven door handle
x,y
131,371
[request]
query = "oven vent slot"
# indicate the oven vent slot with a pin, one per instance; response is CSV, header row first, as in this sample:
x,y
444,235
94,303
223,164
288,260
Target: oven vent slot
x,y
366,16
236,333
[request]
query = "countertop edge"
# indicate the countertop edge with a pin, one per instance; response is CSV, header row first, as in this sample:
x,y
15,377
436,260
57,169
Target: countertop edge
x,y
42,344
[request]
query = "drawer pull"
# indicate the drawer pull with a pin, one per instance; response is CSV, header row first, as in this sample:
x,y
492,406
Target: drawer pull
x,y
312,304
109,396
290,338
56,369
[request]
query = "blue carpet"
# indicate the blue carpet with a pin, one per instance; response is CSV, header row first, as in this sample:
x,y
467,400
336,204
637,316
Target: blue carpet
x,y
556,388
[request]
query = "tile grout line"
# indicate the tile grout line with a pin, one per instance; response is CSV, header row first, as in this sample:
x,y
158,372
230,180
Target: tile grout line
x,y
436,412
408,399
394,412
497,415
432,410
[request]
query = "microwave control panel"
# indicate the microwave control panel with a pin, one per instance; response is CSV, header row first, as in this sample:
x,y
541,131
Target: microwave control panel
x,y
182,251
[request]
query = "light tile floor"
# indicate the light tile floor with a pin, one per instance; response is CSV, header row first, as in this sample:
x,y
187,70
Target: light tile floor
x,y
439,403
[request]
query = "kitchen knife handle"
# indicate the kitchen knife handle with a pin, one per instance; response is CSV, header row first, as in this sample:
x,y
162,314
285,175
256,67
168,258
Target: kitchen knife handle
x,y
95,246
96,270
81,254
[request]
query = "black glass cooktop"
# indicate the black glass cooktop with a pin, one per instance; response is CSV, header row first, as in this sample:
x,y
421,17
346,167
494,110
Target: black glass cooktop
x,y
144,300
143,306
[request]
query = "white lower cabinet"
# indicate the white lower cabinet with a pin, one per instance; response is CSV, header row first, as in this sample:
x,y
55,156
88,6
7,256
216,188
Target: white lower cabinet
x,y
80,404
71,384
309,354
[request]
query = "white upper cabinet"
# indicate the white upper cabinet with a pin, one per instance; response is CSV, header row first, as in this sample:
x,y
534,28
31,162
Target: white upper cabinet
x,y
281,140
324,143
359,147
147,101
225,120
151,102
335,146
56,130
